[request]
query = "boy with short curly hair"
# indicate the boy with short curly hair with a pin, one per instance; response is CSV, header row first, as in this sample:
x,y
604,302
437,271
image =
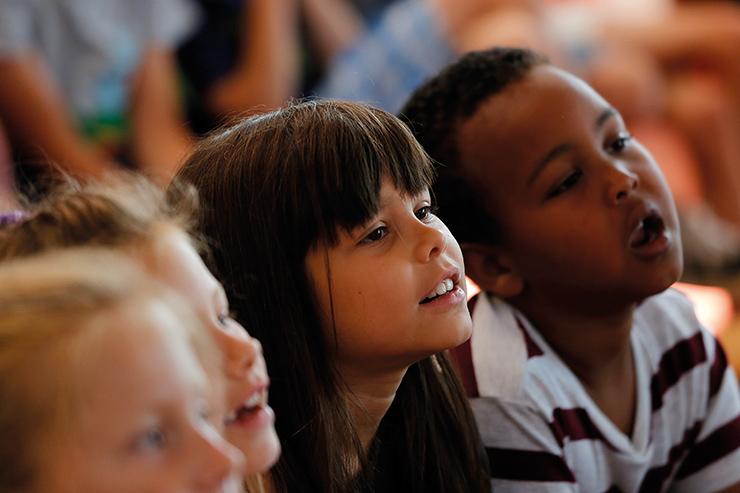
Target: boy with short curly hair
x,y
589,373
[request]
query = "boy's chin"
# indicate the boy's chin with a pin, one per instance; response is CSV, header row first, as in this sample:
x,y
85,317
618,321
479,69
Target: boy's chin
x,y
660,285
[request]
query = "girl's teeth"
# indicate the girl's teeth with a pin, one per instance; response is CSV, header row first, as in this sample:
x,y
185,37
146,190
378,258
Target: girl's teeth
x,y
253,400
444,287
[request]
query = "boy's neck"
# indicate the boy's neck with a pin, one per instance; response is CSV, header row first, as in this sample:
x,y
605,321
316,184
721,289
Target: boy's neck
x,y
596,347
589,343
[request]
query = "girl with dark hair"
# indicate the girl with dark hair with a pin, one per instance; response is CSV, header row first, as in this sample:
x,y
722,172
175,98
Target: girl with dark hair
x,y
328,245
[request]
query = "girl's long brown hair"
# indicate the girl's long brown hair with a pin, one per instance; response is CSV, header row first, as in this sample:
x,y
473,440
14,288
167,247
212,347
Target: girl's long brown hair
x,y
270,187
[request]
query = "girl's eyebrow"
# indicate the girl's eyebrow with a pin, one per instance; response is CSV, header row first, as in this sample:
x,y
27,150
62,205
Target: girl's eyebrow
x,y
219,296
604,116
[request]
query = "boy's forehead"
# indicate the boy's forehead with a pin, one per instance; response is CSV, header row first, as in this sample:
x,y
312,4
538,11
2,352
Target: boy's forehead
x,y
511,130
491,140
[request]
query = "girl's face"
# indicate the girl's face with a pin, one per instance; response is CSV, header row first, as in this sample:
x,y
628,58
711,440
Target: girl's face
x,y
143,422
393,288
247,420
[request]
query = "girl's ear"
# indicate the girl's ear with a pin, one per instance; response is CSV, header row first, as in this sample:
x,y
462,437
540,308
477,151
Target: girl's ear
x,y
492,270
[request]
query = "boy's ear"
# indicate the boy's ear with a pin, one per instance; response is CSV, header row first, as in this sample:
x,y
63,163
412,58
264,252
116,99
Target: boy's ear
x,y
491,269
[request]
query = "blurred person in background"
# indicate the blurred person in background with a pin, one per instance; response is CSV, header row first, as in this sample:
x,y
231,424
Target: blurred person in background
x,y
86,85
254,55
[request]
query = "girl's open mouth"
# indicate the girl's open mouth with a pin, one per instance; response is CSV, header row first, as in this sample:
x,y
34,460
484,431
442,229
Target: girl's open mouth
x,y
253,412
444,287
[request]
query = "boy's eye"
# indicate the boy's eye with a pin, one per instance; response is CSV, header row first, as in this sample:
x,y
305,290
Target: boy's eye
x,y
622,143
567,184
376,235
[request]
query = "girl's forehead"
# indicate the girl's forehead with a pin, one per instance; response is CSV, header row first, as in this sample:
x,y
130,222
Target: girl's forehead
x,y
389,188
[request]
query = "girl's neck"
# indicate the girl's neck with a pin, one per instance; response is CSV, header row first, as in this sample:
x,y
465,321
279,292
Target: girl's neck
x,y
370,397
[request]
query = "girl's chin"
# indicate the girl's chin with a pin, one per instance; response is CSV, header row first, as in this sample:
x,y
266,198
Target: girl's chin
x,y
261,449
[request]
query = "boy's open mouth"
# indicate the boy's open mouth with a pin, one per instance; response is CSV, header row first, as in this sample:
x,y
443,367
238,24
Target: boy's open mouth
x,y
648,230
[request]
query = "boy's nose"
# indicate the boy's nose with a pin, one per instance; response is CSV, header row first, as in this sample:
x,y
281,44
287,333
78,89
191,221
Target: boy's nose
x,y
622,183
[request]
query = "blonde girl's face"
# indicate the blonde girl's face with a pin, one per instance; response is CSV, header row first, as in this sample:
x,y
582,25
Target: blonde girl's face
x,y
144,422
394,288
245,418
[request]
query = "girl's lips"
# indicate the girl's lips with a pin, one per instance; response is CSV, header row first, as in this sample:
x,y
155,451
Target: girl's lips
x,y
254,412
253,418
446,284
249,392
451,298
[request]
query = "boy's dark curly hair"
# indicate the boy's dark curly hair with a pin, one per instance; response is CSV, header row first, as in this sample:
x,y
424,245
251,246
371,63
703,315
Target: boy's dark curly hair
x,y
435,113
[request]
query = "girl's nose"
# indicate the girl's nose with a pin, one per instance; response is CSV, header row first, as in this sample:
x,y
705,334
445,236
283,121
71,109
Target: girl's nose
x,y
215,462
432,242
240,350
622,183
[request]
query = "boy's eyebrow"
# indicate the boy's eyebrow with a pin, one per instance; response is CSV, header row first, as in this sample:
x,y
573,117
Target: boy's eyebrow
x,y
550,156
563,148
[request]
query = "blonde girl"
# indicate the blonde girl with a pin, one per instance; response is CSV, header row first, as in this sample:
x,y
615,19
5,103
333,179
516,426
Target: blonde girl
x,y
130,215
102,382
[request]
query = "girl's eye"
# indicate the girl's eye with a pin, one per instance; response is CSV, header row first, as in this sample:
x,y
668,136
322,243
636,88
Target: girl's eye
x,y
226,318
204,410
376,235
153,438
567,184
425,212
622,143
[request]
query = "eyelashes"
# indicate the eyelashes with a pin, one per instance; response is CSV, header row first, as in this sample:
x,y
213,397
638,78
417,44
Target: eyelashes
x,y
152,439
570,181
375,235
425,213
621,144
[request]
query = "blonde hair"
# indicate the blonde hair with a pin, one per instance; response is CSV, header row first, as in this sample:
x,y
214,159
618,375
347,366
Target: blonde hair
x,y
125,211
122,211
45,305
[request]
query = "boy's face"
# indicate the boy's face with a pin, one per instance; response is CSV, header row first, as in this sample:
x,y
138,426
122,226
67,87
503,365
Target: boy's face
x,y
586,215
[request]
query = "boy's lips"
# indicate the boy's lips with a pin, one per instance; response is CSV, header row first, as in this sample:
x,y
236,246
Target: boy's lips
x,y
648,236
